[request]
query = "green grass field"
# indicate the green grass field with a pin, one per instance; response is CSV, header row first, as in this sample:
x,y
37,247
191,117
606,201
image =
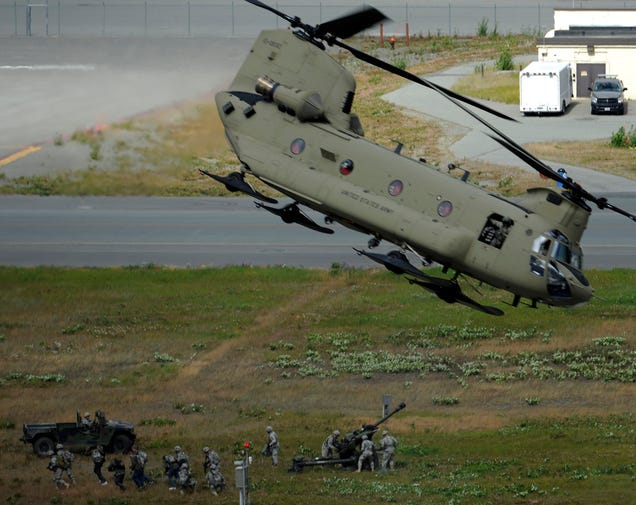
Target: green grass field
x,y
533,407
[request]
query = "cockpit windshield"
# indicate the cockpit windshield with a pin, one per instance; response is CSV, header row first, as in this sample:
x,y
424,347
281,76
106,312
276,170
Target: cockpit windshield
x,y
555,245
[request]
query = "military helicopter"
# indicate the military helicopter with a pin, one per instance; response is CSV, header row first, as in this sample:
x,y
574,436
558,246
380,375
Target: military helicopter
x,y
288,117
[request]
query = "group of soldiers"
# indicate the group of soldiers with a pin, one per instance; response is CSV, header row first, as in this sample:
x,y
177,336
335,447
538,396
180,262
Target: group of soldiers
x,y
176,468
388,445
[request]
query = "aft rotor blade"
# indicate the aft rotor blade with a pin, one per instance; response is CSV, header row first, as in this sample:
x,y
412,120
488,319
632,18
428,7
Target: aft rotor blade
x,y
295,21
350,24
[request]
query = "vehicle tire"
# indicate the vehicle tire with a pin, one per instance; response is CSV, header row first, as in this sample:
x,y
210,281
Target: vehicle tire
x,y
121,443
44,446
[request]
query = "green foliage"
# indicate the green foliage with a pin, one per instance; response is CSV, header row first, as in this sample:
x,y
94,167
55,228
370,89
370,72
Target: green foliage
x,y
482,27
157,421
505,62
624,138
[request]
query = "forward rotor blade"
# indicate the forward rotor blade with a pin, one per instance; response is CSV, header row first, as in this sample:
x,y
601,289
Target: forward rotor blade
x,y
451,95
350,24
546,171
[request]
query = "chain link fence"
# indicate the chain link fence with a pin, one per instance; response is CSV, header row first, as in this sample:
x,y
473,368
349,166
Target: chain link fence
x,y
237,18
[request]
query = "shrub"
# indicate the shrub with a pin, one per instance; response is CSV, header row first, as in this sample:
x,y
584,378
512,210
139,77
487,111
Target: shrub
x,y
624,138
505,60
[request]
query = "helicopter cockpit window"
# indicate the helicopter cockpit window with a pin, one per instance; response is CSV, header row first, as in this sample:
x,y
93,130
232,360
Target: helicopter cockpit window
x,y
496,230
557,246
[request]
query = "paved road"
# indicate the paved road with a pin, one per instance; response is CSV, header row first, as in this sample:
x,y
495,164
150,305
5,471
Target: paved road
x,y
98,231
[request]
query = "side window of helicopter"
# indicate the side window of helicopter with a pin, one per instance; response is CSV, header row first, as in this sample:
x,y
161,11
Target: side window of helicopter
x,y
541,245
496,230
537,265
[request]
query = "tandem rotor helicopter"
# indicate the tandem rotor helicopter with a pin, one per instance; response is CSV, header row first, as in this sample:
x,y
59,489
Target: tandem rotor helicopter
x,y
288,117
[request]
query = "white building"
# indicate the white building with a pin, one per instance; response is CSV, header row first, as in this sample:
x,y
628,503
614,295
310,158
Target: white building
x,y
593,41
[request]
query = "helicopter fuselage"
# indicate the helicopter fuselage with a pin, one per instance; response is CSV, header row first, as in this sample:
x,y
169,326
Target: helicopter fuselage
x,y
288,118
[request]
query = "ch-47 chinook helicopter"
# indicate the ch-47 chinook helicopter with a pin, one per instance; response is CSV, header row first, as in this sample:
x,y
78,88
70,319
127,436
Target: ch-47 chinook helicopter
x,y
288,118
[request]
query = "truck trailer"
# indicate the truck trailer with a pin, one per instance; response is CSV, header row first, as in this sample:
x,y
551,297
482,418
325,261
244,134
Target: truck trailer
x,y
545,88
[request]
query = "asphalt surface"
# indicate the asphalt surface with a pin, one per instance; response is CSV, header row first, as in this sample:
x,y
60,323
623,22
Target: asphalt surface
x,y
195,232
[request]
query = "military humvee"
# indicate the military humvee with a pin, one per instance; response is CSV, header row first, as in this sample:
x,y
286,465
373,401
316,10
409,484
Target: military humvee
x,y
114,436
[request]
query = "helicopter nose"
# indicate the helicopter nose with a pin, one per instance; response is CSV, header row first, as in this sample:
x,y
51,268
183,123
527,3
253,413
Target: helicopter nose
x,y
567,285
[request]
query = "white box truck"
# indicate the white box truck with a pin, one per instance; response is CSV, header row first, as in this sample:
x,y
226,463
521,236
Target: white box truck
x,y
545,87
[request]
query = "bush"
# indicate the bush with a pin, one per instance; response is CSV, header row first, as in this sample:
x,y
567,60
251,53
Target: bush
x,y
505,60
624,138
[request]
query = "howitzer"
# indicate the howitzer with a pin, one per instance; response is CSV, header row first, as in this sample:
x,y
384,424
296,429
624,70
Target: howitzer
x,y
348,447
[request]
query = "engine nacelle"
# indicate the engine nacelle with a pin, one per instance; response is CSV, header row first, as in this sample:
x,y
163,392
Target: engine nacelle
x,y
305,105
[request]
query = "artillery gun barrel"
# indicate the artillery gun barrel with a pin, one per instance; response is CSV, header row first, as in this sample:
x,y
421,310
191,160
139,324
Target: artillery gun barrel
x,y
386,417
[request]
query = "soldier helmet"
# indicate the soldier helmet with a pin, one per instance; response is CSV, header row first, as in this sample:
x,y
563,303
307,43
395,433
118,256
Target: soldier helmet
x,y
364,437
184,465
269,429
177,448
87,414
206,449
336,432
385,432
59,446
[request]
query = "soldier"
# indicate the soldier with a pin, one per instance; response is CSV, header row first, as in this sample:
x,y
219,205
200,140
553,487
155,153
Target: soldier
x,y
388,444
215,479
138,460
271,446
367,448
181,456
210,458
119,470
329,446
99,457
186,482
59,482
86,421
64,463
171,469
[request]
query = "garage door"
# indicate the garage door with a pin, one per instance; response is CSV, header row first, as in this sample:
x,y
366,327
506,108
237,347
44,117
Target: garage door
x,y
585,75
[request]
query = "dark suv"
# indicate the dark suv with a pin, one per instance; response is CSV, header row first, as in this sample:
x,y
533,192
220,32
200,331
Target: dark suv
x,y
607,95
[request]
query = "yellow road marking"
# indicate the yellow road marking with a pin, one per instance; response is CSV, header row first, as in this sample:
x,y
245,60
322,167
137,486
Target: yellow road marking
x,y
19,154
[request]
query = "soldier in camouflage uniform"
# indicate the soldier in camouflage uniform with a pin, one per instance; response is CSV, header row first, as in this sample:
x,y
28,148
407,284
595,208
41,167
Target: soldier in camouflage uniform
x,y
271,446
119,470
186,482
171,469
329,448
99,458
138,460
388,444
210,458
60,463
367,453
